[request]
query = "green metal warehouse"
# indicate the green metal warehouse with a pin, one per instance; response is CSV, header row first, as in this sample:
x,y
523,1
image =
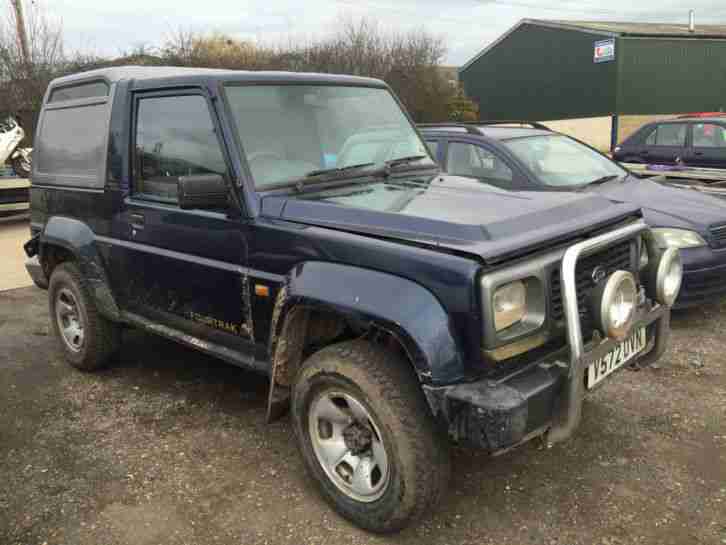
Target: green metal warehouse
x,y
545,70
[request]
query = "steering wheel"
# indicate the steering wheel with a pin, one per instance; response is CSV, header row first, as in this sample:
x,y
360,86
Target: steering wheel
x,y
257,155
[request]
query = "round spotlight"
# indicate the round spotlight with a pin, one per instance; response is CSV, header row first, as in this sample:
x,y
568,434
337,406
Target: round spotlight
x,y
618,302
669,276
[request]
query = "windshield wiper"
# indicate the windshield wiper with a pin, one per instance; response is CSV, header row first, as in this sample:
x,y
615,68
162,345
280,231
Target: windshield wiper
x,y
404,160
391,164
603,179
299,183
320,172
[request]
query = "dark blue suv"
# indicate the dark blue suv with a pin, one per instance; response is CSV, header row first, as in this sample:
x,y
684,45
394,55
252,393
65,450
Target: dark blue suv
x,y
295,225
530,157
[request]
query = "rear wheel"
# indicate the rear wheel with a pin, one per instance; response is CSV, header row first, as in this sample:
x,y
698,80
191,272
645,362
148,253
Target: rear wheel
x,y
367,437
87,339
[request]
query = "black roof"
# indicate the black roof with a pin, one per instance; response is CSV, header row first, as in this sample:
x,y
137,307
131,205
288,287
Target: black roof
x,y
174,73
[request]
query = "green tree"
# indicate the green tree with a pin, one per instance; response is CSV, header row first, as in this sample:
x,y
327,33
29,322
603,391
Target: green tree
x,y
462,108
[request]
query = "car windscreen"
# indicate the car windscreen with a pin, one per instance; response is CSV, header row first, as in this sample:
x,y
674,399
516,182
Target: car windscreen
x,y
557,160
288,131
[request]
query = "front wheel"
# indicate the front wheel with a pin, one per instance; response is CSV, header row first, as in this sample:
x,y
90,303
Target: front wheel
x,y
367,436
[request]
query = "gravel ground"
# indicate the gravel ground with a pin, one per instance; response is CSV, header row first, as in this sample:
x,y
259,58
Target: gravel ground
x,y
170,446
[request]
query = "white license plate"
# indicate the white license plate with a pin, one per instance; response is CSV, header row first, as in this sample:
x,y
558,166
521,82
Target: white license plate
x,y
616,358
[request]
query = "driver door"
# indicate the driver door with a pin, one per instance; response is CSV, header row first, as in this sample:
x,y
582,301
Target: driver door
x,y
182,268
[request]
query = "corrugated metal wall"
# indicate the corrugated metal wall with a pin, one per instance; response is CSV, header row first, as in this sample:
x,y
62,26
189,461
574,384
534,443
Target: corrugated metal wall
x,y
540,73
661,75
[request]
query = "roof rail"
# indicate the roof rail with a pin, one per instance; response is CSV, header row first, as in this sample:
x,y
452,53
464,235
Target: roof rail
x,y
533,124
701,114
473,127
470,128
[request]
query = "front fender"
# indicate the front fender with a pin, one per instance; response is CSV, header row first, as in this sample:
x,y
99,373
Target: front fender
x,y
404,308
76,237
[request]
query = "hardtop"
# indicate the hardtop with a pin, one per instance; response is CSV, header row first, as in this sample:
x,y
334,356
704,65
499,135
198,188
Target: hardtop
x,y
153,76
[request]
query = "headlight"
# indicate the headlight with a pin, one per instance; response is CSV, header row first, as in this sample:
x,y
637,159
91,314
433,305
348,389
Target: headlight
x,y
514,309
666,237
668,277
510,304
616,302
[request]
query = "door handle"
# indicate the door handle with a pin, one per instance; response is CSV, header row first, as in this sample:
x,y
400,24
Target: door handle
x,y
697,153
137,221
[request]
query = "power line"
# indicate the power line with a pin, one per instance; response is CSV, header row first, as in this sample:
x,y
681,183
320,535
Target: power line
x,y
562,8
408,12
584,9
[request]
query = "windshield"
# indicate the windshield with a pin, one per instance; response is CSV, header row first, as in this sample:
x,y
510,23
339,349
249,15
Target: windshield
x,y
290,131
559,161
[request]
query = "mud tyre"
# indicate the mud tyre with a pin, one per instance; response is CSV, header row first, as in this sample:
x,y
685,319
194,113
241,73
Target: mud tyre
x,y
367,436
86,338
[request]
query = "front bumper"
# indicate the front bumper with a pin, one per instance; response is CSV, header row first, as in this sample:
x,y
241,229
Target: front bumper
x,y
498,414
704,276
547,395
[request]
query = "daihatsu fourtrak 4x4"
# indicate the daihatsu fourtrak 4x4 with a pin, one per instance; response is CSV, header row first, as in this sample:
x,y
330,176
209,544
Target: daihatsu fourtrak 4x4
x,y
295,224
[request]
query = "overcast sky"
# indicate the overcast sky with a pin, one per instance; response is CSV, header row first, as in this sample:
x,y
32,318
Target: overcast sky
x,y
110,27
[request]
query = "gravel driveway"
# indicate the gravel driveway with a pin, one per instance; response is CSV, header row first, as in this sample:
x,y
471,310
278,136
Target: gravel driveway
x,y
170,446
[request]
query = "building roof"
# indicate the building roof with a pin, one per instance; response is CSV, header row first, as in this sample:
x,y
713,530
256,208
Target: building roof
x,y
155,73
622,28
613,28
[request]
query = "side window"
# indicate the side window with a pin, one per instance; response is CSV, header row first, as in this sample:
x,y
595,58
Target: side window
x,y
174,137
650,141
70,147
709,135
476,162
433,146
668,134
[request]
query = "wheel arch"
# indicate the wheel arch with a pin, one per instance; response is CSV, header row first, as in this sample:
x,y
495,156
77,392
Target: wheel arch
x,y
65,239
366,301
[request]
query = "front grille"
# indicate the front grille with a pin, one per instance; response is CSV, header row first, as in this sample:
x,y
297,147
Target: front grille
x,y
614,258
718,235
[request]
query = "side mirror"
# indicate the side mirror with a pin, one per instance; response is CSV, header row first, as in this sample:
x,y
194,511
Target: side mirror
x,y
202,191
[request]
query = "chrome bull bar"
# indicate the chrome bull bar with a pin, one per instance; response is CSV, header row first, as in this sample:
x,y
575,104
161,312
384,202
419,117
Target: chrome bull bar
x,y
570,409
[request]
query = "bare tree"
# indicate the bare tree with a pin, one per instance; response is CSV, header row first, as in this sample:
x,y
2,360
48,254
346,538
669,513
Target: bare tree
x,y
409,62
23,83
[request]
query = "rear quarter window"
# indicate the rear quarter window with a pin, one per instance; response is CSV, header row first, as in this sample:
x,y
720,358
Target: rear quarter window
x,y
76,92
71,139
